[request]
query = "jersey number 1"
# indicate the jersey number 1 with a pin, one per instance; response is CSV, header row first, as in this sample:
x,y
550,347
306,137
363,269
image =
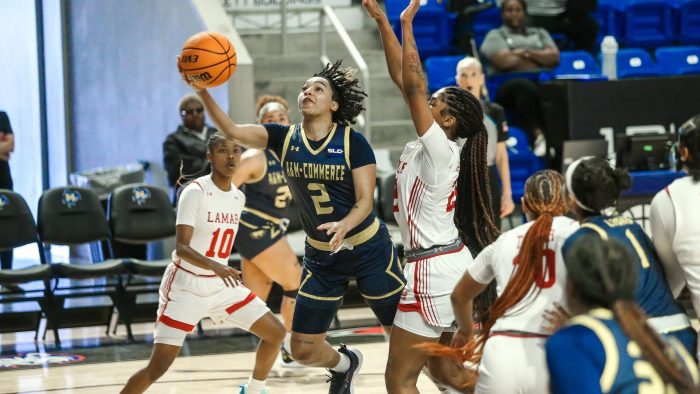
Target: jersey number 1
x,y
224,247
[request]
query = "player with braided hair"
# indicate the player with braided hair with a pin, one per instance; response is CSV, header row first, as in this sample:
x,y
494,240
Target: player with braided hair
x,y
442,206
331,173
609,346
593,187
526,263
675,217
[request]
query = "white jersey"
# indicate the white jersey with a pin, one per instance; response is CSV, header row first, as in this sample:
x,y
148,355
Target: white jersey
x,y
424,190
675,226
498,261
214,214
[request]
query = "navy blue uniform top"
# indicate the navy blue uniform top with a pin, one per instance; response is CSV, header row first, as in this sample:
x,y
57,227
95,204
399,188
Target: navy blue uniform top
x,y
319,173
270,193
652,292
591,354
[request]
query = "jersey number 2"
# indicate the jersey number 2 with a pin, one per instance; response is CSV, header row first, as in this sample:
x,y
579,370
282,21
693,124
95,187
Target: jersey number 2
x,y
320,199
549,274
224,247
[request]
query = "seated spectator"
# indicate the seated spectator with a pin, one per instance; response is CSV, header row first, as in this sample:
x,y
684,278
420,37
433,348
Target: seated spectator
x,y
516,48
570,17
185,149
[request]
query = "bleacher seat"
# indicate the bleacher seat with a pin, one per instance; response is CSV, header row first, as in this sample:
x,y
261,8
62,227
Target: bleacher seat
x,y
635,63
484,22
608,16
647,23
74,216
688,12
678,60
522,160
579,65
139,214
433,26
441,71
17,228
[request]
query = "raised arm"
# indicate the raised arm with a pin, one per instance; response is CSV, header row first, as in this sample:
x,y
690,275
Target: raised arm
x,y
248,135
414,89
392,48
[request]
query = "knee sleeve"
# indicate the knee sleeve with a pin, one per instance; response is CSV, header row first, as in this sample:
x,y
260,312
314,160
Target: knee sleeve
x,y
291,293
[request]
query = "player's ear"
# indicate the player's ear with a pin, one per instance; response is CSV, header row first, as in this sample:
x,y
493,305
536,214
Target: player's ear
x,y
684,153
334,106
449,122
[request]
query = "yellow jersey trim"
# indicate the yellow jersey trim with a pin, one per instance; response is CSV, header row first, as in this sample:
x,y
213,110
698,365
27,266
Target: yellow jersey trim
x,y
393,275
597,229
263,215
249,225
264,172
355,240
688,360
612,355
287,138
325,143
314,297
638,248
347,146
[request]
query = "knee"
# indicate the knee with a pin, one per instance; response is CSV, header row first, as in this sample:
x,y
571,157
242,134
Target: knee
x,y
304,353
275,333
156,369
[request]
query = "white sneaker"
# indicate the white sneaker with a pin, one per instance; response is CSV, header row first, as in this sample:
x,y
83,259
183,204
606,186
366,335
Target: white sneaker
x,y
244,389
539,147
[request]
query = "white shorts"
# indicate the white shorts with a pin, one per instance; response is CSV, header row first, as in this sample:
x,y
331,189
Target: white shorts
x,y
186,298
513,365
430,283
414,323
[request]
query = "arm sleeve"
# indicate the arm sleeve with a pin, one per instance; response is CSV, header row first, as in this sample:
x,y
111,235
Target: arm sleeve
x,y
493,43
575,358
438,154
482,270
5,126
275,137
188,204
662,219
361,153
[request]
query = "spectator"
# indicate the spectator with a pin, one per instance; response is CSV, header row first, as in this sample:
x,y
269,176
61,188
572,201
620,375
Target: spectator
x,y
184,150
570,17
516,48
7,146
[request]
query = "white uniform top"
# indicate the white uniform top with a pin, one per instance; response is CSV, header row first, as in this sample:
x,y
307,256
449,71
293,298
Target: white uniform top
x,y
214,214
497,261
424,190
675,228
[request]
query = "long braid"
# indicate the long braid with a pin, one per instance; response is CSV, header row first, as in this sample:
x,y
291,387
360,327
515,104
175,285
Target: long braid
x,y
544,198
604,274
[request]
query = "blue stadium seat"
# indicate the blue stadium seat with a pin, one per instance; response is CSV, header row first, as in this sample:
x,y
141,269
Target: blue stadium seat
x,y
648,23
608,16
635,63
678,60
484,22
688,21
441,71
523,162
433,26
577,65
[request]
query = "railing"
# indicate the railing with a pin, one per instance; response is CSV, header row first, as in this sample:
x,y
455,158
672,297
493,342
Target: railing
x,y
326,12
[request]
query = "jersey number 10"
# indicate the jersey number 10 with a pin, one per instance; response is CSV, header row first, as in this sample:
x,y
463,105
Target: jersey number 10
x,y
224,247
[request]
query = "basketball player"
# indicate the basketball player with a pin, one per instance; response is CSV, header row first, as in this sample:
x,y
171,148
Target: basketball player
x,y
470,76
331,172
441,204
527,264
675,217
265,253
609,345
199,283
593,188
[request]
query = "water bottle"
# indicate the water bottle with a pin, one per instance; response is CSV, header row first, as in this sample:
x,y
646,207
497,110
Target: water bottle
x,y
609,50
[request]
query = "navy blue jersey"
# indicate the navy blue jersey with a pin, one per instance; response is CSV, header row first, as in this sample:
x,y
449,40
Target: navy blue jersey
x,y
319,173
270,193
591,354
652,292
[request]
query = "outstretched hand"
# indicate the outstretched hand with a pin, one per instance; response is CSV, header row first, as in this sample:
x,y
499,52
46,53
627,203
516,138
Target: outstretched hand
x,y
373,9
184,77
410,11
555,318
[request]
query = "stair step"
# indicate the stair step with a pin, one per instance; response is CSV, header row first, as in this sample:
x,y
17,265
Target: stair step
x,y
269,44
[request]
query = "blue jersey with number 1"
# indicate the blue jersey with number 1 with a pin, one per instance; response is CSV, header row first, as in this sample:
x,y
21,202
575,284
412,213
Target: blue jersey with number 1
x,y
319,173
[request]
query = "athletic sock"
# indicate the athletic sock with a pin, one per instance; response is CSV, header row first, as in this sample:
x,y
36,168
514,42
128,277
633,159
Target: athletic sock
x,y
343,364
288,342
255,386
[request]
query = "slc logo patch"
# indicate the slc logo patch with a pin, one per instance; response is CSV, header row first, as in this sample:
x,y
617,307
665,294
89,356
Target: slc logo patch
x,y
140,195
4,201
70,198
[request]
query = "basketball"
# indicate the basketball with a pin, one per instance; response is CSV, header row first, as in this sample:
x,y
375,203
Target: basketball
x,y
208,59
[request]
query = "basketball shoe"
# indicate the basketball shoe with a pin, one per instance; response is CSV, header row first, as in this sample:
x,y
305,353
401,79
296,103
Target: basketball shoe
x,y
341,382
244,389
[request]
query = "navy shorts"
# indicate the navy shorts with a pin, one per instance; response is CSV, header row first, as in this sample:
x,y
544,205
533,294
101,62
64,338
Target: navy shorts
x,y
255,234
373,264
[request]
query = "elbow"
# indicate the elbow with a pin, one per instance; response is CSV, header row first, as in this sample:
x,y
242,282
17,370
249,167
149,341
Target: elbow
x,y
457,298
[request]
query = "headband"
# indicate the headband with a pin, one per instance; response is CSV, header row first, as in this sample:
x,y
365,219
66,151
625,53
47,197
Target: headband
x,y
271,106
570,175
